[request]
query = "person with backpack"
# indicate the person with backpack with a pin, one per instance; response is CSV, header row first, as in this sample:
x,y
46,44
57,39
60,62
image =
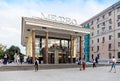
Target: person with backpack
x,y
36,64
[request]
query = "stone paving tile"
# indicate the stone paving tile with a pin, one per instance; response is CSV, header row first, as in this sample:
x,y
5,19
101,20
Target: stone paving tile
x,y
71,74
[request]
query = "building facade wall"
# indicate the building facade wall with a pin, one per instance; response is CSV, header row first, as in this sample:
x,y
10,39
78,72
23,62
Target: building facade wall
x,y
104,39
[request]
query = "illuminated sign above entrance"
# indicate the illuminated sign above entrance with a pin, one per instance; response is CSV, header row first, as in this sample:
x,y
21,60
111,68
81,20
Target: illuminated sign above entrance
x,y
60,19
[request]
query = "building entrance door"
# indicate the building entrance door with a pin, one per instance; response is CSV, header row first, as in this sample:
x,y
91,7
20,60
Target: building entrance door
x,y
57,59
62,58
51,58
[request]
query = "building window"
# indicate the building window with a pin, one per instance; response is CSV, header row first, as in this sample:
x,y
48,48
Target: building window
x,y
97,48
118,24
110,37
91,48
110,21
118,44
92,23
109,13
103,39
98,26
118,17
92,33
118,35
92,56
103,23
109,47
97,19
110,27
103,29
97,32
98,40
110,55
92,41
118,55
103,16
118,9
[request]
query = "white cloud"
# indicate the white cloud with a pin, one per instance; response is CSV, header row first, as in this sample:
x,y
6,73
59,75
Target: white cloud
x,y
11,13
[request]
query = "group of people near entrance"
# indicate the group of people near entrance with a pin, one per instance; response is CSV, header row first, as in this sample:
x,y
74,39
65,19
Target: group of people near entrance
x,y
82,63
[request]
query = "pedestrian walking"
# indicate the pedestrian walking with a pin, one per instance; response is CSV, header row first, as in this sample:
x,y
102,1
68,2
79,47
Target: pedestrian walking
x,y
36,64
113,62
94,63
80,63
5,59
21,59
96,59
83,64
15,58
18,59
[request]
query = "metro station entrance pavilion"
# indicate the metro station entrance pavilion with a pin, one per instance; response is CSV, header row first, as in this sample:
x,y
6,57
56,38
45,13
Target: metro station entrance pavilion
x,y
51,42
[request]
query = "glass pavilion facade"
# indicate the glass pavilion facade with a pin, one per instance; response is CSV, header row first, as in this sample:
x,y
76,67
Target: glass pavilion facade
x,y
52,42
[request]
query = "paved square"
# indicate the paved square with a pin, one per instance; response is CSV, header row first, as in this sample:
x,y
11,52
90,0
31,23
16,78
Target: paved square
x,y
71,74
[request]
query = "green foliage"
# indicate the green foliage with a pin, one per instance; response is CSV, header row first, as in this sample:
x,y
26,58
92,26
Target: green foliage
x,y
2,49
10,52
1,54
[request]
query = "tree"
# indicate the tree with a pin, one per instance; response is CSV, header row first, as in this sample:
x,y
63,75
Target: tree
x,y
2,49
1,54
10,51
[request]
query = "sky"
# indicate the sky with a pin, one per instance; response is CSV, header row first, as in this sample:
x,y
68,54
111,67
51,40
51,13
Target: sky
x,y
11,12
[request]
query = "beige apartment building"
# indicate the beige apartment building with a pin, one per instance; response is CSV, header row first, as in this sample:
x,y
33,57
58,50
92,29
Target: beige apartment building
x,y
105,39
